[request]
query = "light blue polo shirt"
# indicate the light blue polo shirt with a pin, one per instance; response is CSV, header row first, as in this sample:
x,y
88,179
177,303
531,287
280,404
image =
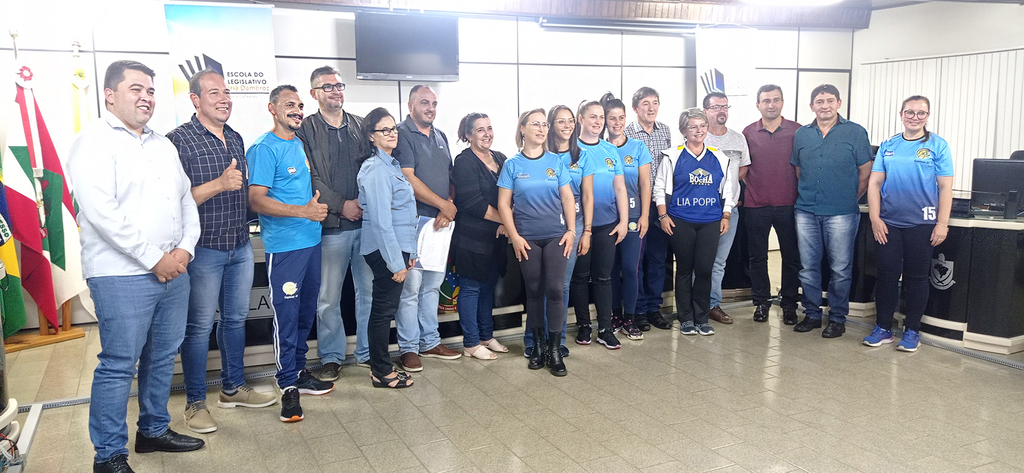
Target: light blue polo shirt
x,y
281,166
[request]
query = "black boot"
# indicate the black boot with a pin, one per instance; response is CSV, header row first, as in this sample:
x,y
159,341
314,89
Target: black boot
x,y
537,357
554,353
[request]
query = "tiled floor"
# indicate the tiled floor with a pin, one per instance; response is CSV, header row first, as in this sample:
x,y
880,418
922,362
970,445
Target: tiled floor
x,y
753,397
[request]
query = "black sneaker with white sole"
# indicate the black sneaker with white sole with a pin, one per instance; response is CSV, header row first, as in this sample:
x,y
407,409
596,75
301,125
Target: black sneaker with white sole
x,y
291,411
583,335
607,338
308,384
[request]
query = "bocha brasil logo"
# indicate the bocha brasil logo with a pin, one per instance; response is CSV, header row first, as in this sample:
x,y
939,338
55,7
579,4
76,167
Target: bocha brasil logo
x,y
700,177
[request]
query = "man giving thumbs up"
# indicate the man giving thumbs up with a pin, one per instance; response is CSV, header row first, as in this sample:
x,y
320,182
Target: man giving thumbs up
x,y
281,192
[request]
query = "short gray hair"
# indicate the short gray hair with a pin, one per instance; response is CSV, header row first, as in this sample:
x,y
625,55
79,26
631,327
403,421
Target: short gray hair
x,y
193,84
690,113
322,71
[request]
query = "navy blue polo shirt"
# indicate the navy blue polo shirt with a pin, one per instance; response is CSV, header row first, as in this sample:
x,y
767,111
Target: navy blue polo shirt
x,y
829,178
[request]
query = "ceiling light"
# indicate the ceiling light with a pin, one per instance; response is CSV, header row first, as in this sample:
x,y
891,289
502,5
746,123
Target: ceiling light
x,y
792,3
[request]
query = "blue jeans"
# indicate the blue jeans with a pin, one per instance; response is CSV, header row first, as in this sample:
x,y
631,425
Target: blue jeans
x,y
834,235
652,269
476,307
724,247
141,320
416,320
221,279
340,250
527,334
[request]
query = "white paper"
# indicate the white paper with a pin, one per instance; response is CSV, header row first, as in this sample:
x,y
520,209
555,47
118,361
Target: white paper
x,y
432,245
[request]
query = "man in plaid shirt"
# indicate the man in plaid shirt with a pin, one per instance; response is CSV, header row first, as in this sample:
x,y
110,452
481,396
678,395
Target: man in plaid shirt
x,y
213,157
658,138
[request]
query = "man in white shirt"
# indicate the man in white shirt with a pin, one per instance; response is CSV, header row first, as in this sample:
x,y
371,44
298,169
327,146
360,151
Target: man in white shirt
x,y
139,231
732,152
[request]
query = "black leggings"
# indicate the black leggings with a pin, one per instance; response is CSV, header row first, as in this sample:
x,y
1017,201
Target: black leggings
x,y
695,246
596,267
386,294
908,251
544,273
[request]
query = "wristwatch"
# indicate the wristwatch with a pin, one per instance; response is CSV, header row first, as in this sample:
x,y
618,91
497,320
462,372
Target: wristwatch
x,y
662,217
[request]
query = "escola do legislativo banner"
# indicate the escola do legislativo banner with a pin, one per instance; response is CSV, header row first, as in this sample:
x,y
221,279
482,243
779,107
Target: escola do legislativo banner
x,y
235,40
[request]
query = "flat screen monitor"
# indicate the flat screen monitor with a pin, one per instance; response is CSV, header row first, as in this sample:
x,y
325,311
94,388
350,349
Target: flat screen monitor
x,y
993,179
407,46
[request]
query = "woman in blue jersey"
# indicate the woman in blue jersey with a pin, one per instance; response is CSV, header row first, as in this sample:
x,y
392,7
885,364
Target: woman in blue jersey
x,y
636,167
388,238
563,143
690,212
910,194
479,245
542,229
609,221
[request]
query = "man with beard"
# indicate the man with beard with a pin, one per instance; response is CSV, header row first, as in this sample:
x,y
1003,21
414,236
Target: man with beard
x,y
139,231
331,140
768,203
734,159
426,161
281,192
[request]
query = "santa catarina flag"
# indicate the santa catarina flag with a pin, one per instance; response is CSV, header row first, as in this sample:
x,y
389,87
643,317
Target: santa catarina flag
x,y
40,206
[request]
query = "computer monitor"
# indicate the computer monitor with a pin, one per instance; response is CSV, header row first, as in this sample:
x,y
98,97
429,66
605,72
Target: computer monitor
x,y
994,179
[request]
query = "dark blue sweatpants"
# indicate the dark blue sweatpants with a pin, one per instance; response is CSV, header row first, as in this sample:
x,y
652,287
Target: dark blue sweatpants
x,y
294,286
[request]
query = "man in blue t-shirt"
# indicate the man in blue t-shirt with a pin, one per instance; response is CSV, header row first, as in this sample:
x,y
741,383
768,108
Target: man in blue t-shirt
x,y
832,156
281,192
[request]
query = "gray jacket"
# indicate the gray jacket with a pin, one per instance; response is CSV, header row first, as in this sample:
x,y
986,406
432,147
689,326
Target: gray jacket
x,y
336,181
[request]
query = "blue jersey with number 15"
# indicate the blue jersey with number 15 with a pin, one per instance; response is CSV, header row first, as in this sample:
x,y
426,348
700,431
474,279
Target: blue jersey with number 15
x,y
910,193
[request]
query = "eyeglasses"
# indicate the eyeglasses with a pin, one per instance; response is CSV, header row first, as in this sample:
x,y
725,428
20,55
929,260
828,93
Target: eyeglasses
x,y
565,121
912,114
388,131
702,126
719,107
330,87
541,125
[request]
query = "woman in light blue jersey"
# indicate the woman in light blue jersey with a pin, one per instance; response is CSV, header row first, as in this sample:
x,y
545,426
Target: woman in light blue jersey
x,y
562,142
542,228
910,194
610,218
636,167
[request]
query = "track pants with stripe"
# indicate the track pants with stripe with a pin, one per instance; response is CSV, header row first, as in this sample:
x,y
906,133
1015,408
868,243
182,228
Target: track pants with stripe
x,y
294,286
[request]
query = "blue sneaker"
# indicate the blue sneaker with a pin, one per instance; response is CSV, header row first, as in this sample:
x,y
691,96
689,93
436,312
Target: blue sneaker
x,y
911,340
879,336
688,328
705,329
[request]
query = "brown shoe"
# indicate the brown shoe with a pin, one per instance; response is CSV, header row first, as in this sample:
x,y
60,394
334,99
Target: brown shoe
x,y
718,315
411,362
441,352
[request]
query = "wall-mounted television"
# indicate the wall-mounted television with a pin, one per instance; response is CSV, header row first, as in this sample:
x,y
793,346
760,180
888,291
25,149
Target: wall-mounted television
x,y
407,46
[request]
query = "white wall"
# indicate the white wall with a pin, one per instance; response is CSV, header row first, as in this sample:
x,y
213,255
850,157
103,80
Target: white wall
x,y
508,64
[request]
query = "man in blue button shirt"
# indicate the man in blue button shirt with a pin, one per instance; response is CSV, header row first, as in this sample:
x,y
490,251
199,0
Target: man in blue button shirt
x,y
832,156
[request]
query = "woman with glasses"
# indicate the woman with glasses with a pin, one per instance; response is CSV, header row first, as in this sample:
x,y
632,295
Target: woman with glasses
x,y
636,167
478,243
690,212
910,194
542,228
562,142
610,217
388,238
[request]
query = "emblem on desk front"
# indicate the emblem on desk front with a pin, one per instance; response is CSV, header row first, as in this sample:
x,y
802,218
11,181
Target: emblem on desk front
x,y
941,273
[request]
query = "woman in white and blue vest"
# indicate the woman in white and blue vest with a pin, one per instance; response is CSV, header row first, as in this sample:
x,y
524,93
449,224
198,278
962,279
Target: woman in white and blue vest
x,y
690,212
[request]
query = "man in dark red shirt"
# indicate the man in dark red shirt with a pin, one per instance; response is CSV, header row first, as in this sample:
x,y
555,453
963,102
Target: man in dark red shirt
x,y
770,195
